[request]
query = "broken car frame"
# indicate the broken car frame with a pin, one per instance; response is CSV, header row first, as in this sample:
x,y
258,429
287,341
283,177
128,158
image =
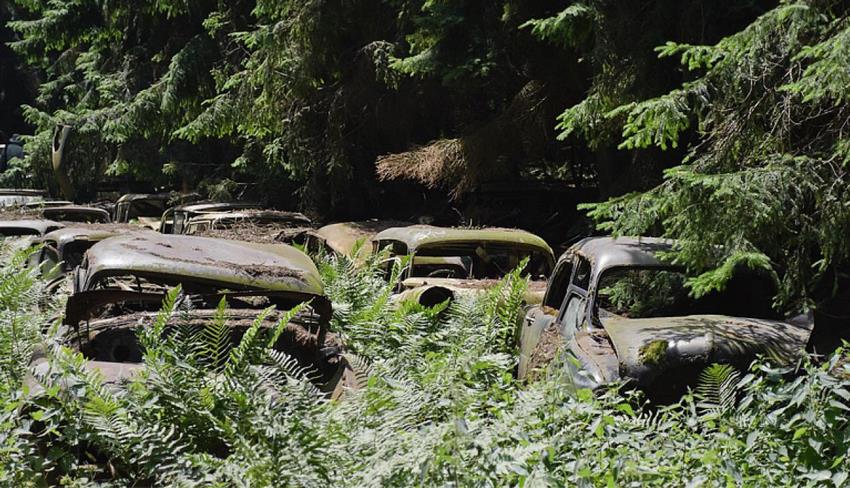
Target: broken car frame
x,y
122,281
623,314
445,262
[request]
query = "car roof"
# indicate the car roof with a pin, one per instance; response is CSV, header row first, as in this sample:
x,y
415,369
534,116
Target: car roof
x,y
612,252
258,214
89,232
39,225
75,208
342,236
46,203
131,197
417,236
242,265
22,191
209,207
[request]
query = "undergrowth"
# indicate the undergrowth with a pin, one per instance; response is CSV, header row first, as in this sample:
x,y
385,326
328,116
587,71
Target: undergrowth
x,y
440,407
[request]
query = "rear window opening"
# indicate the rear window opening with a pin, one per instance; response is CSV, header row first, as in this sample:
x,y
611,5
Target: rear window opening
x,y
478,262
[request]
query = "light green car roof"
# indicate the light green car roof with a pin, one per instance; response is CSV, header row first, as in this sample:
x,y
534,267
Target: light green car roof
x,y
229,264
88,232
419,236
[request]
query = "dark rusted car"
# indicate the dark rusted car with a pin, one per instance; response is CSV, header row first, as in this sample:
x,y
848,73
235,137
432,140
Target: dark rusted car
x,y
57,212
27,227
176,219
447,262
15,196
147,208
626,315
251,224
122,281
62,250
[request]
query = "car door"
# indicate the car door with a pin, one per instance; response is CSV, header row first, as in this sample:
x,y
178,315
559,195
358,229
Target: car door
x,y
565,296
573,310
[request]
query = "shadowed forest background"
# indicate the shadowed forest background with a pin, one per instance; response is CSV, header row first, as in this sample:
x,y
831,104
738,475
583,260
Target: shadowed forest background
x,y
714,122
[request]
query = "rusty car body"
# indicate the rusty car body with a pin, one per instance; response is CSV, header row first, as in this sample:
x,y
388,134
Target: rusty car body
x,y
147,208
254,225
624,314
76,213
343,238
63,249
18,196
175,219
445,262
122,281
27,227
18,233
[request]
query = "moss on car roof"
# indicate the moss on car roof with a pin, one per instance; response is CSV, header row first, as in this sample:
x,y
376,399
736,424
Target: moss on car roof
x,y
419,236
342,236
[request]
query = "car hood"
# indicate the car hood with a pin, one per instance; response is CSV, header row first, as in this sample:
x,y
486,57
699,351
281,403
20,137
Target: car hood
x,y
646,346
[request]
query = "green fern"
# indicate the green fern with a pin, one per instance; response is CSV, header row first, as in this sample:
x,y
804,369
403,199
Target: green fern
x,y
717,391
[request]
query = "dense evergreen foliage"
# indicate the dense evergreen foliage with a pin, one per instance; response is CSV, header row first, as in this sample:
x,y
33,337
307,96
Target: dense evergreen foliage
x,y
727,119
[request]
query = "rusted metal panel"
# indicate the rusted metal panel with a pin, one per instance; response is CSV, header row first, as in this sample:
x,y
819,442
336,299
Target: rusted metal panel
x,y
76,213
342,237
240,265
420,236
28,227
646,346
644,350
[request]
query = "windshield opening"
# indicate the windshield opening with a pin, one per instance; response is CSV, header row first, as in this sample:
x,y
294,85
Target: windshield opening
x,y
202,295
18,231
648,293
479,261
145,208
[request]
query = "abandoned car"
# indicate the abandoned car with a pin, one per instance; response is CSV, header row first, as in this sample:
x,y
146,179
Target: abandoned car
x,y
626,315
252,225
62,250
175,219
341,238
60,213
15,196
122,282
27,227
76,213
447,262
147,208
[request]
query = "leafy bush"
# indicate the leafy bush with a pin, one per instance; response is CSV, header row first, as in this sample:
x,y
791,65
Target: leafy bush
x,y
440,407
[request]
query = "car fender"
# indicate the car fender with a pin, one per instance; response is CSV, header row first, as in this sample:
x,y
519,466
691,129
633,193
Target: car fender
x,y
536,320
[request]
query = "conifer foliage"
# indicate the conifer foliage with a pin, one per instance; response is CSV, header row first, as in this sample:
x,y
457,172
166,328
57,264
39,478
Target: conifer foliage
x,y
761,117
